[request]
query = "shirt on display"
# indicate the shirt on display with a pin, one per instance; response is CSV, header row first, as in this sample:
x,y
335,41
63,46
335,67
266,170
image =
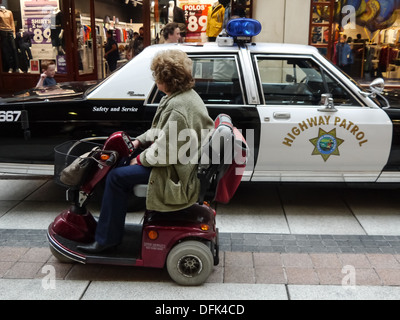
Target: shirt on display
x,y
6,20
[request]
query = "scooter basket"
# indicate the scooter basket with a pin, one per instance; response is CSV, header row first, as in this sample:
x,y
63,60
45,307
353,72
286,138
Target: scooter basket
x,y
81,154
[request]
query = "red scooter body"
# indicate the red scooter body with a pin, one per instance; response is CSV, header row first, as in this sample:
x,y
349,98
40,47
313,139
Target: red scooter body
x,y
76,223
185,241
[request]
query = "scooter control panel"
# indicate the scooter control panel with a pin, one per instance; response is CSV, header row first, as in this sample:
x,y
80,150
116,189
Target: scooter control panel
x,y
128,142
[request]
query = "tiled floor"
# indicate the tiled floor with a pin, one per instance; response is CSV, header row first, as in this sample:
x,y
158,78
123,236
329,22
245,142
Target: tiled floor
x,y
286,241
235,267
261,208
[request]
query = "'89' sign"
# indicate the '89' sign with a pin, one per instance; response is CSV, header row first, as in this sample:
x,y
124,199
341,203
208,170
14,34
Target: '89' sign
x,y
196,17
40,28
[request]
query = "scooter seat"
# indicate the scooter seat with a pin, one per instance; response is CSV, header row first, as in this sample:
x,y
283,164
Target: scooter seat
x,y
140,190
194,214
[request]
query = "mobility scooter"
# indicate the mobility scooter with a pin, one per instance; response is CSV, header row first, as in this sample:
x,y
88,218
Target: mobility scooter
x,y
186,241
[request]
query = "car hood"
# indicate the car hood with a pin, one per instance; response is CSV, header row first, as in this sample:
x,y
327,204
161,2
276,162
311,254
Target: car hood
x,y
61,91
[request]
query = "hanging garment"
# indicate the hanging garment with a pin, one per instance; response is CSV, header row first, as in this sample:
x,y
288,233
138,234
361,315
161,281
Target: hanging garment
x,y
9,50
215,20
6,20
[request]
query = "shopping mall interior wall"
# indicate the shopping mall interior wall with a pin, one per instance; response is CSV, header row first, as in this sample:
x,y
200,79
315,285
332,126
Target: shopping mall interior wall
x,y
118,8
285,21
297,21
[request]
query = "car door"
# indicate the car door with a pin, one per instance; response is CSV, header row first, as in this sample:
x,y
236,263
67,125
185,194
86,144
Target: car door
x,y
219,80
303,140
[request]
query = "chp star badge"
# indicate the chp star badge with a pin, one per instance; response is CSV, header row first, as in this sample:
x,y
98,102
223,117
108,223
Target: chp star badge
x,y
326,144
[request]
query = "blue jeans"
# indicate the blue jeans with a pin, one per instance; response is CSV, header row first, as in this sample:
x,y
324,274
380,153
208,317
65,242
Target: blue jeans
x,y
119,185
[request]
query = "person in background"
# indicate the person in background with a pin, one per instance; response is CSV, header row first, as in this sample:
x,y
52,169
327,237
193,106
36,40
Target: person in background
x,y
130,52
138,43
47,77
344,54
172,33
111,51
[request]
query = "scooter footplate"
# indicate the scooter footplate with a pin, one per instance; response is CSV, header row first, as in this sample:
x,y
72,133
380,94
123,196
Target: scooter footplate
x,y
127,253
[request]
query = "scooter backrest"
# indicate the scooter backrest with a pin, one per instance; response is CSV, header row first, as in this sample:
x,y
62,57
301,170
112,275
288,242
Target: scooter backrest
x,y
217,150
224,151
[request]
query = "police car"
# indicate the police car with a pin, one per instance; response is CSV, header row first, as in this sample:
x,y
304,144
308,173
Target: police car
x,y
304,120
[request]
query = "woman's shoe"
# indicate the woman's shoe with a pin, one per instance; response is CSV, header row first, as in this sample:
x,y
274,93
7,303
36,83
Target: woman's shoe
x,y
96,247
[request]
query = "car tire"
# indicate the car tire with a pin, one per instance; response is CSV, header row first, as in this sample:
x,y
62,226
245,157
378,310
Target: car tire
x,y
190,263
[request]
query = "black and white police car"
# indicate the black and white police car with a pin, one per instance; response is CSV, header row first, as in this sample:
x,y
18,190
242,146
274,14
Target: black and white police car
x,y
304,120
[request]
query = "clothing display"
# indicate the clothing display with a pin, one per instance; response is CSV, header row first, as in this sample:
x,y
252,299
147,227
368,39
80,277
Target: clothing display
x,y
56,29
172,13
216,15
23,41
386,56
6,20
381,61
377,55
7,41
8,51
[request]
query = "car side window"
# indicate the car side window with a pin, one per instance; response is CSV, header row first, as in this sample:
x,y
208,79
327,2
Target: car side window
x,y
298,81
217,80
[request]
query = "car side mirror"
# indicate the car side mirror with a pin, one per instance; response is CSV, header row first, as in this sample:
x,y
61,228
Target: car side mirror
x,y
328,103
377,86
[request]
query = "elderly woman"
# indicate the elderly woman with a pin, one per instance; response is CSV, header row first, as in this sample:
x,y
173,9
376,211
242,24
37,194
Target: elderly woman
x,y
172,178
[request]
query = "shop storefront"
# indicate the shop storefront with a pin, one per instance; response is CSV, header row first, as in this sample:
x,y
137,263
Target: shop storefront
x,y
370,29
69,33
72,33
199,20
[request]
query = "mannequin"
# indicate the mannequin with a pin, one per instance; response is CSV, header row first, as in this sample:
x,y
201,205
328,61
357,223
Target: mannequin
x,y
215,21
172,13
227,16
57,32
7,42
23,42
171,7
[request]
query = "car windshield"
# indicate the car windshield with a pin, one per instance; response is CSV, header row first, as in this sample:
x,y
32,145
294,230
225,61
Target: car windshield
x,y
348,77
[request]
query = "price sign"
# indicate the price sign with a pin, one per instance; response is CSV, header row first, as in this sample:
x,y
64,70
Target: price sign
x,y
40,28
196,21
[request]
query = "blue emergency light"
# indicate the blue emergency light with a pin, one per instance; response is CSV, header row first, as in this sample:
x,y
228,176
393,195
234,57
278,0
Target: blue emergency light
x,y
243,27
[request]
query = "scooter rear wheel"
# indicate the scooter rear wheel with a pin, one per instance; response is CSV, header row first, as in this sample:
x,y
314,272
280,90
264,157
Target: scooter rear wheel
x,y
190,263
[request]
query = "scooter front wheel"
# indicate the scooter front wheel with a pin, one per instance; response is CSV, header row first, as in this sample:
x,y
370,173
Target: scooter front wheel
x,y
190,263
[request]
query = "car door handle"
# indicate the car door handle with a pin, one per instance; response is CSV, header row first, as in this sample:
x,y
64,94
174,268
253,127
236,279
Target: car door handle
x,y
281,116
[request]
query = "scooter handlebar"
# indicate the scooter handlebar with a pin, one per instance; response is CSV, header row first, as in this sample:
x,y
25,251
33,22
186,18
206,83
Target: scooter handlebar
x,y
112,159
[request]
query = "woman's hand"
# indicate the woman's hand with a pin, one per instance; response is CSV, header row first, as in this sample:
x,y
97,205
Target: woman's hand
x,y
136,144
134,162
